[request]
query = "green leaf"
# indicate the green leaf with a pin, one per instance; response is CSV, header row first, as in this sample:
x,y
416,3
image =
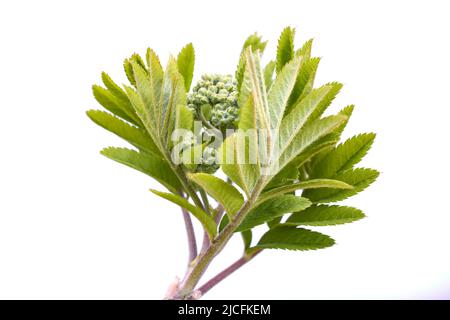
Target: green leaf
x,y
301,113
324,216
247,115
137,137
287,175
185,62
344,156
293,141
111,103
305,50
274,222
291,238
206,220
285,49
143,114
305,81
253,86
184,118
116,90
320,146
308,76
280,91
128,68
325,102
173,94
247,238
333,138
347,111
268,74
255,43
273,208
237,166
359,178
310,184
137,59
147,163
148,109
227,195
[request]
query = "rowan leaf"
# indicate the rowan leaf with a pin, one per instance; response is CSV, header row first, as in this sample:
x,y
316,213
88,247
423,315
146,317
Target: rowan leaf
x,y
268,73
344,156
148,163
185,62
293,141
173,94
323,215
128,67
143,113
304,82
111,103
134,135
255,43
305,50
273,208
227,195
292,238
148,108
309,184
334,89
285,48
280,91
359,178
237,164
184,118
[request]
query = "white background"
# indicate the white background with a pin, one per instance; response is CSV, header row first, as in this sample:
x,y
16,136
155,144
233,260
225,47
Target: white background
x,y
74,224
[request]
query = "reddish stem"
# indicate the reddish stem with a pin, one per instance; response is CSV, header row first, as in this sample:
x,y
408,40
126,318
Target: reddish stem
x,y
226,272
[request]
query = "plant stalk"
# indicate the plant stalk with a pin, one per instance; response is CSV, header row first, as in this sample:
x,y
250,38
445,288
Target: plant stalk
x,y
206,241
192,243
226,272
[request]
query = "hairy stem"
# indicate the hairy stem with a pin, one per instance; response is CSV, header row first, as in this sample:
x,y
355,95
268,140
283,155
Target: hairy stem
x,y
226,272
